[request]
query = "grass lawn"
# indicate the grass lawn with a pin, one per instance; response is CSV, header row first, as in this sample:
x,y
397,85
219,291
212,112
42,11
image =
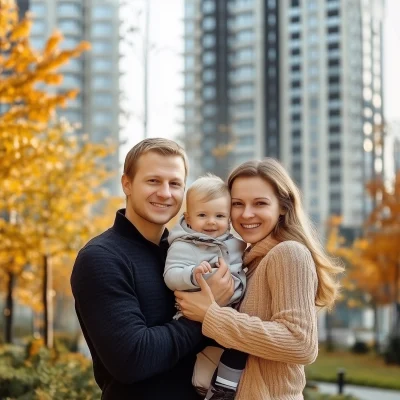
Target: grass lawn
x,y
361,369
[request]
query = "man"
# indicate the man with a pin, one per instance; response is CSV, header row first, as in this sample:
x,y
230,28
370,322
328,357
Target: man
x,y
123,306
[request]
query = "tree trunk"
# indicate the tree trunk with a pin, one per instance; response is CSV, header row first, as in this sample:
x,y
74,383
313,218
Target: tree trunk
x,y
9,307
376,328
396,302
47,302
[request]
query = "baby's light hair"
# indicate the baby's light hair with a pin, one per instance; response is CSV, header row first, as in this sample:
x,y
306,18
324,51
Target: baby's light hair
x,y
208,187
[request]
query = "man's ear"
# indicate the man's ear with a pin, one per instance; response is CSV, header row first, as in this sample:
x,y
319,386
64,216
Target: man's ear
x,y
126,185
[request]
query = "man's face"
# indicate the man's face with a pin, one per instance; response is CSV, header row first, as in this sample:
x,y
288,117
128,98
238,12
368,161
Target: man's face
x,y
156,192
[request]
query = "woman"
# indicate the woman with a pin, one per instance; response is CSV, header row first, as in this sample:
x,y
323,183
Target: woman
x,y
289,278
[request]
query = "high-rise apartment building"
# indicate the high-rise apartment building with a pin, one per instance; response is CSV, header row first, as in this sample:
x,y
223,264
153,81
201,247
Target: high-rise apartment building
x,y
96,74
293,79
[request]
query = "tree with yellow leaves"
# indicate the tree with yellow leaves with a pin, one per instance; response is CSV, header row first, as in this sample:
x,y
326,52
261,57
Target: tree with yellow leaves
x,y
54,210
25,107
374,259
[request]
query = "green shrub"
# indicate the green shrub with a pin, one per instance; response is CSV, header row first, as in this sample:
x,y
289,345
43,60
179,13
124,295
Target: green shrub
x,y
392,352
310,394
45,375
66,342
360,348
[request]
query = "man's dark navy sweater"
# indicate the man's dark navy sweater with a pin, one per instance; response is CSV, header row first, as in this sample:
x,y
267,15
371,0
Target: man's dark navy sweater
x,y
125,310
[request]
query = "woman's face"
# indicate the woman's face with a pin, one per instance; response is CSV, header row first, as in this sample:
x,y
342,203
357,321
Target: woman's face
x,y
255,208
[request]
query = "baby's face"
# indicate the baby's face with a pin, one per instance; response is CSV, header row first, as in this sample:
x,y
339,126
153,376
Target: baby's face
x,y
210,217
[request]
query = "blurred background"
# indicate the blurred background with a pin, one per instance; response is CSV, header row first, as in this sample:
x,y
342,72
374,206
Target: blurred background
x,y
314,83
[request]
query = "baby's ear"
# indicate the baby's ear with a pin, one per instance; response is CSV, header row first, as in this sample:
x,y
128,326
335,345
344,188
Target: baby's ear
x,y
186,216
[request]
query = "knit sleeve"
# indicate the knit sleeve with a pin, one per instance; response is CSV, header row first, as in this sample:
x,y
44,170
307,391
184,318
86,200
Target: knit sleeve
x,y
181,260
291,334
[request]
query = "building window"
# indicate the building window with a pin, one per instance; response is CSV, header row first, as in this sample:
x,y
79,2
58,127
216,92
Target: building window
x,y
245,36
209,92
209,127
208,6
244,106
208,41
102,47
245,19
102,11
244,124
296,133
209,75
296,100
333,13
209,23
295,68
333,46
295,84
39,27
245,55
335,162
102,65
209,110
103,100
334,146
102,82
39,10
102,118
102,29
333,29
209,58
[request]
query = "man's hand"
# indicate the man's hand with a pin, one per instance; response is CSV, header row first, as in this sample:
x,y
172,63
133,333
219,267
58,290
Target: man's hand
x,y
221,283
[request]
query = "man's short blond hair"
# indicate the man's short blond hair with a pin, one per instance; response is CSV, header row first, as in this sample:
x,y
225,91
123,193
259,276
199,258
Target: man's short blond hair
x,y
208,187
164,147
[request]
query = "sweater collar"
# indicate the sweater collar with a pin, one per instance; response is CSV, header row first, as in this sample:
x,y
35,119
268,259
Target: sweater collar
x,y
124,227
254,254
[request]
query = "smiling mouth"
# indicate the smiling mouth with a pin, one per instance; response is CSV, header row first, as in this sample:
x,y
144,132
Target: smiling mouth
x,y
160,205
250,226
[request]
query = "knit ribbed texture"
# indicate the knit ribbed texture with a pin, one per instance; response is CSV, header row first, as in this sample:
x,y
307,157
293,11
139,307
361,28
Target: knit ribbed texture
x,y
125,311
276,323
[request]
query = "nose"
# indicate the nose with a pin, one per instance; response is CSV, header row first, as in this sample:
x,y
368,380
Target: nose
x,y
211,220
164,191
248,212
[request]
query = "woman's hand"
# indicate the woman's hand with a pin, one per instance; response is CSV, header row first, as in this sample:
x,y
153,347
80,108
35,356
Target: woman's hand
x,y
221,283
194,305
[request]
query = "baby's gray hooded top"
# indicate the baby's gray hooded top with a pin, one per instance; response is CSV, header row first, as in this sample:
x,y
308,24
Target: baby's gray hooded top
x,y
189,248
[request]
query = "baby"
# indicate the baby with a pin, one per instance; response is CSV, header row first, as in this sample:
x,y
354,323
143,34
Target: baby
x,y
201,236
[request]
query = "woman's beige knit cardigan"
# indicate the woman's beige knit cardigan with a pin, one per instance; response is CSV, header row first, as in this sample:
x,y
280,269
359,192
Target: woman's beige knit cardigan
x,y
276,324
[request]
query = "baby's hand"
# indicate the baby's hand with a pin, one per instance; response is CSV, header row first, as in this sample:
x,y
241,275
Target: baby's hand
x,y
203,268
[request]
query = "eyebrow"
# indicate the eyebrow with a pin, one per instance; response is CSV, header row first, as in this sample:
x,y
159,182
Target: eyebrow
x,y
162,178
257,198
218,212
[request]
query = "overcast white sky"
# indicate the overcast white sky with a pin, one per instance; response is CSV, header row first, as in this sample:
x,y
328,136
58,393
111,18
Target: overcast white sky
x,y
166,65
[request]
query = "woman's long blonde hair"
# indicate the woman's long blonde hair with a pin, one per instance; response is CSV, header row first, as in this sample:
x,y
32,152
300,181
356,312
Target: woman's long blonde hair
x,y
295,224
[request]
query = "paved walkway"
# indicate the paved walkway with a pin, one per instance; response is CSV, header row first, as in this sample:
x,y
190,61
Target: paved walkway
x,y
362,392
